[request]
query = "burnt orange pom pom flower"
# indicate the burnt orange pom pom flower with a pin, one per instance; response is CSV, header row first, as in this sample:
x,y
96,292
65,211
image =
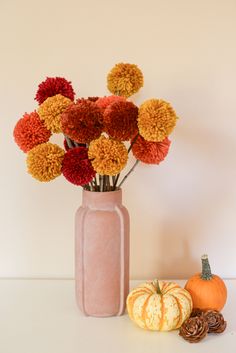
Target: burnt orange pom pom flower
x,y
52,86
82,121
108,156
104,102
120,120
150,152
51,109
30,132
124,79
44,161
156,120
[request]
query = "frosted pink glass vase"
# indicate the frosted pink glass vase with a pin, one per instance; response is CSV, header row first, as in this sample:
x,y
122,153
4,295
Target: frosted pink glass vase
x,y
102,254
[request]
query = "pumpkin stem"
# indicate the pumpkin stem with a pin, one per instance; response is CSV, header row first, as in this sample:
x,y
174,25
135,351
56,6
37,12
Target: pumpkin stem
x,y
158,287
206,269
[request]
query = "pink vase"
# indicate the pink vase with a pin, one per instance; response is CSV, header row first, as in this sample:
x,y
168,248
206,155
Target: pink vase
x,y
102,254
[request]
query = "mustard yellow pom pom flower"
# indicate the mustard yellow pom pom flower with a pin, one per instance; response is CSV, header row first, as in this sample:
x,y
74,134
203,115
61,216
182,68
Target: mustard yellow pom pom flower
x,y
108,156
156,120
51,109
44,161
124,79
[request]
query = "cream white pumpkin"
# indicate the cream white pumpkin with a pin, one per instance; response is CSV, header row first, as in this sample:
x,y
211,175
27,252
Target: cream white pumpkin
x,y
159,306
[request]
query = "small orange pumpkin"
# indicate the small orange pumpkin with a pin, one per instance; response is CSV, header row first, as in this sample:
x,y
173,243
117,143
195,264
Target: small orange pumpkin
x,y
208,291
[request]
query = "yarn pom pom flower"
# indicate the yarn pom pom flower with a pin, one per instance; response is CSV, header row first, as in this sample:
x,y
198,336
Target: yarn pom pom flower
x,y
156,120
44,161
76,167
93,99
51,109
82,121
124,79
30,132
150,152
52,86
108,156
104,102
120,120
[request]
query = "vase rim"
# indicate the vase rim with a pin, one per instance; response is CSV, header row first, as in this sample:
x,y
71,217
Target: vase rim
x,y
118,190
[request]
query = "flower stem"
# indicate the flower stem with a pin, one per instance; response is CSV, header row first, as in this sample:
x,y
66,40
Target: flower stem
x,y
116,180
100,183
95,183
133,142
69,142
126,176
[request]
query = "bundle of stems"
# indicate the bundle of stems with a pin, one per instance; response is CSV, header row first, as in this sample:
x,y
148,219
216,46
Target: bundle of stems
x,y
104,183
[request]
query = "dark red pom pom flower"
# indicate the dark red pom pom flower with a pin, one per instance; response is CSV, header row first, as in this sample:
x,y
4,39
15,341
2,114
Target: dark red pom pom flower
x,y
76,167
150,152
52,86
120,120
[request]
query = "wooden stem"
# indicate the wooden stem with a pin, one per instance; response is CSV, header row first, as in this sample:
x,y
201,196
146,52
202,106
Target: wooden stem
x,y
126,176
116,180
69,142
133,142
101,183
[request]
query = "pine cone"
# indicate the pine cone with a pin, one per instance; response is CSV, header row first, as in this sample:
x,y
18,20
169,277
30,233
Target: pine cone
x,y
215,320
194,329
196,312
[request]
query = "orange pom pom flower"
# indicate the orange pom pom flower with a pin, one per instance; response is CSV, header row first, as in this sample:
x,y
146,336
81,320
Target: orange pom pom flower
x,y
51,109
44,161
124,79
150,152
156,120
108,156
30,131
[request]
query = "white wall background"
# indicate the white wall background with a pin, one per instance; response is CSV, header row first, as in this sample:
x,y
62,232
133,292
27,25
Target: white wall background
x,y
180,209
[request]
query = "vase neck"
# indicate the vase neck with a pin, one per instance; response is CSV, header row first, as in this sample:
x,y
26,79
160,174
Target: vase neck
x,y
102,199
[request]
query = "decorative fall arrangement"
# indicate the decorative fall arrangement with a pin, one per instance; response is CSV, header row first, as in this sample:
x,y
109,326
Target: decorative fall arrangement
x,y
194,310
95,130
96,133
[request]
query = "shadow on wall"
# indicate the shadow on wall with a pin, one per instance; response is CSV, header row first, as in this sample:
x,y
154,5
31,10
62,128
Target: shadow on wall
x,y
207,194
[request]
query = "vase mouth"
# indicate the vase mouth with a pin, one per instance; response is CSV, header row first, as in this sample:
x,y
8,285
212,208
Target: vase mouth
x,y
102,199
102,192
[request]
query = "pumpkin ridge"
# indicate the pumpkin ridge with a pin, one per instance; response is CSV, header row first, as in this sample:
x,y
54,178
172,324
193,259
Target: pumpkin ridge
x,y
131,300
186,297
145,304
145,286
162,313
170,289
180,311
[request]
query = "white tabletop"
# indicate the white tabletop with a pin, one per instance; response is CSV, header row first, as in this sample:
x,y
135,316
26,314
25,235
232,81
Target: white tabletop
x,y
40,316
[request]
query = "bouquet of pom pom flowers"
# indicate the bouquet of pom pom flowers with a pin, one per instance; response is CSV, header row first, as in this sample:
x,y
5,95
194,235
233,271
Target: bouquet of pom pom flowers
x,y
96,130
